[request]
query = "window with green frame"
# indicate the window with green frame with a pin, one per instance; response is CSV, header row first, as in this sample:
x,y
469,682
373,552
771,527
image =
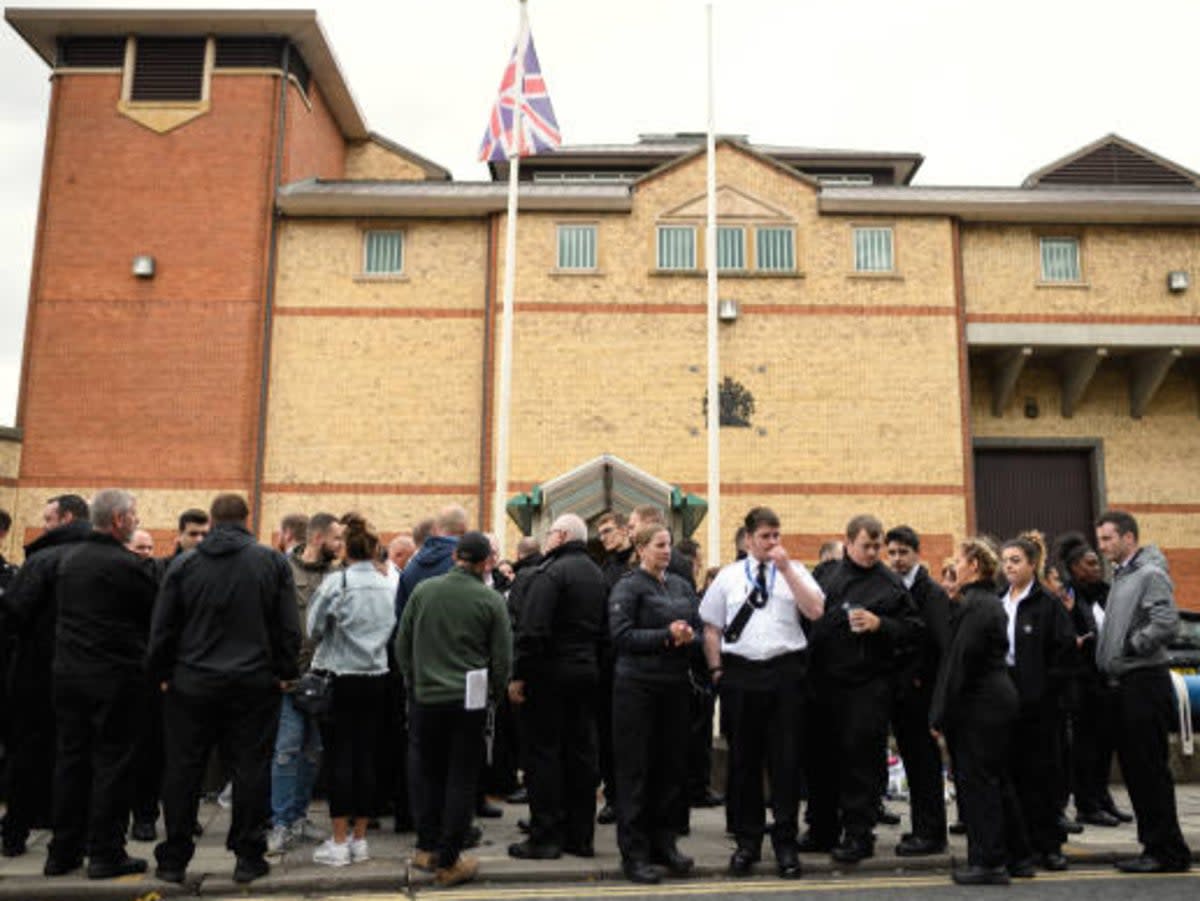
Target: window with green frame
x,y
577,247
1060,259
383,252
731,247
775,249
873,250
676,247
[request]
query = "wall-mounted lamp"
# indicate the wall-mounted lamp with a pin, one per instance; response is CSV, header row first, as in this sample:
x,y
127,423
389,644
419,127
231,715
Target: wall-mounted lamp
x,y
1032,411
727,310
1177,281
143,266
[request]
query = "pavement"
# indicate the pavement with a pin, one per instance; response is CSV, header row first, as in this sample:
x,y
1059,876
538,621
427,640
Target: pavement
x,y
210,872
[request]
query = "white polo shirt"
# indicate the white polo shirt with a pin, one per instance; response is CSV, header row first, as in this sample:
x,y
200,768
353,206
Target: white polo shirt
x,y
772,630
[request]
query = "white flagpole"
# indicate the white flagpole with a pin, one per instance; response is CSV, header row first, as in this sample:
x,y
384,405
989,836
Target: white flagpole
x,y
504,395
713,551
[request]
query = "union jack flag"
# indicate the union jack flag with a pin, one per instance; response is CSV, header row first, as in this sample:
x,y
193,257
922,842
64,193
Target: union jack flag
x,y
539,128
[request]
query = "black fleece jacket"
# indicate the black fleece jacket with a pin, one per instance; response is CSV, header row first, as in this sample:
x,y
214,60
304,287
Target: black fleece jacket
x,y
225,617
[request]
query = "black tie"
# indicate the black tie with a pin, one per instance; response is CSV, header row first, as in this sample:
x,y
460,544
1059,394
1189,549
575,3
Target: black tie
x,y
762,580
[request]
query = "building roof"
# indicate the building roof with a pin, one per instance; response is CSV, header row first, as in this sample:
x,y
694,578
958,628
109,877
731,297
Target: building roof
x,y
1111,161
319,197
1082,205
653,150
41,29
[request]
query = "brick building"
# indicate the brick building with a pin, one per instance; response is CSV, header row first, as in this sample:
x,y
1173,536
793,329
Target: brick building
x,y
281,302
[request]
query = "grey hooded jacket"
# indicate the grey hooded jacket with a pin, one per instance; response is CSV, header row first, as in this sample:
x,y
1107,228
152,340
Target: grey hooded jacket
x,y
1140,617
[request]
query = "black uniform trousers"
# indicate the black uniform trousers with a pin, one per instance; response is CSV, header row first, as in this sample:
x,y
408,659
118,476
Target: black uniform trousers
x,y
987,800
449,745
922,762
240,721
1034,765
1145,712
559,719
1092,739
849,734
29,772
763,705
650,758
148,758
604,730
99,721
699,745
351,736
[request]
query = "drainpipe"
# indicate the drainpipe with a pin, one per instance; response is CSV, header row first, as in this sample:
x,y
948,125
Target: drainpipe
x,y
260,450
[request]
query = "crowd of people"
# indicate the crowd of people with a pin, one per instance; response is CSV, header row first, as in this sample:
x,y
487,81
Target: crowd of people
x,y
413,679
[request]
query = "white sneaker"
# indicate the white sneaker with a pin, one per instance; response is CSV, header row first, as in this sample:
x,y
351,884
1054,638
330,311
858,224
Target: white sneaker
x,y
306,830
359,850
279,839
225,798
332,854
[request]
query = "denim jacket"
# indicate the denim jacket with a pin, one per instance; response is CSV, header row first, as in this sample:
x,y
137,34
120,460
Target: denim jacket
x,y
351,617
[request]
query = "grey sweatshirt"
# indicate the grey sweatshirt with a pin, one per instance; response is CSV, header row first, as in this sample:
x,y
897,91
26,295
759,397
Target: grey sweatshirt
x,y
1140,618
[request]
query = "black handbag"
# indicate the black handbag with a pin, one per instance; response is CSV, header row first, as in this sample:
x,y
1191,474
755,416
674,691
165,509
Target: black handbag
x,y
313,693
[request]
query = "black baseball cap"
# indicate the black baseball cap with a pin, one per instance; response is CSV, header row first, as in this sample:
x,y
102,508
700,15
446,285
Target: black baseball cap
x,y
473,547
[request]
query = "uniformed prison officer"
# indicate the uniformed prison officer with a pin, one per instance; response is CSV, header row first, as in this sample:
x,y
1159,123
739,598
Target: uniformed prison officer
x,y
868,633
654,622
757,654
1041,642
974,705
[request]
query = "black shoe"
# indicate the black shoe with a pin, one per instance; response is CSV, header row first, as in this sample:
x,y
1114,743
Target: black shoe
x,y
111,869
1120,814
852,850
1147,864
488,810
641,872
170,874
787,863
520,796
980,876
1053,861
250,868
710,798
523,825
61,866
197,829
607,816
1022,869
527,850
1069,827
742,861
13,849
143,832
914,846
957,828
473,837
809,844
676,862
1097,818
580,850
885,816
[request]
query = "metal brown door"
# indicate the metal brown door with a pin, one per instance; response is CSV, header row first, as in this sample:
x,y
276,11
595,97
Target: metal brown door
x,y
1033,488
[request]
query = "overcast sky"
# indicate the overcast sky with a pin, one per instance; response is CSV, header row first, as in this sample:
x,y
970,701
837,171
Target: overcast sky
x,y
987,90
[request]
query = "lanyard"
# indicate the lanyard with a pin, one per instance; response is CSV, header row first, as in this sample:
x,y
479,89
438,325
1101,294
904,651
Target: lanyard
x,y
772,573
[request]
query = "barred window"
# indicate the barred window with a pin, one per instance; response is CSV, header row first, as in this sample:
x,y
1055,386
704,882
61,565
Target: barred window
x,y
731,247
775,249
873,250
384,253
1060,259
676,247
577,247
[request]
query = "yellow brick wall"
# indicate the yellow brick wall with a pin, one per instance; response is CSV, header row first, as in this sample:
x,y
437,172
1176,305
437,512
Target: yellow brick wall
x,y
10,466
393,400
321,265
1146,461
369,160
1124,271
